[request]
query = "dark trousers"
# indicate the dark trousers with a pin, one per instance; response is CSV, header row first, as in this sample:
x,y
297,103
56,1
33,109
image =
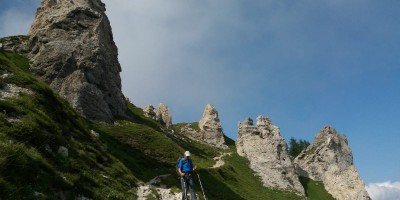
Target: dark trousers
x,y
187,184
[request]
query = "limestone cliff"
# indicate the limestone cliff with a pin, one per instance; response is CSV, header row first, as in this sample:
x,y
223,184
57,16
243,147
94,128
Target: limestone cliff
x,y
72,49
329,159
268,154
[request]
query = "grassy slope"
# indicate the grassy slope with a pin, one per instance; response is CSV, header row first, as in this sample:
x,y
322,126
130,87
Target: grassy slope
x,y
107,167
315,189
46,121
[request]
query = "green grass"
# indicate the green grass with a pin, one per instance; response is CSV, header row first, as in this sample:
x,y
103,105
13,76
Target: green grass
x,y
46,121
315,189
149,152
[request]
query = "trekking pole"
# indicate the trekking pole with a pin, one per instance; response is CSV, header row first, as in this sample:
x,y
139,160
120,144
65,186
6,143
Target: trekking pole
x,y
201,187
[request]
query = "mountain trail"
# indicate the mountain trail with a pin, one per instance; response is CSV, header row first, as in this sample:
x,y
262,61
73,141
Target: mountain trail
x,y
219,161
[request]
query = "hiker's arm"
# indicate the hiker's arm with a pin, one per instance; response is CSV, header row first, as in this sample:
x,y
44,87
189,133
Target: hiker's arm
x,y
180,172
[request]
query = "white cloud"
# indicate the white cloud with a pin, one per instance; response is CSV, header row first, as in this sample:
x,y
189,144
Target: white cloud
x,y
384,191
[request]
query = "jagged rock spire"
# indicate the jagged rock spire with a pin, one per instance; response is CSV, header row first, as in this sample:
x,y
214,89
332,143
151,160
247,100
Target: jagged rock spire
x,y
268,154
330,160
72,49
163,115
160,114
211,128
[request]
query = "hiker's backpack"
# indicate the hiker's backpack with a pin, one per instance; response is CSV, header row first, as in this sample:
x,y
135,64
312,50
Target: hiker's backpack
x,y
184,161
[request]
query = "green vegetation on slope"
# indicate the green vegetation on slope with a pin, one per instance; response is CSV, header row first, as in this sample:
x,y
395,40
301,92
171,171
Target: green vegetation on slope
x,y
33,126
315,189
32,129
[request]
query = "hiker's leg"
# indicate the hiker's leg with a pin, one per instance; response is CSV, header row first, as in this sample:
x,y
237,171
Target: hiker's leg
x,y
184,188
191,186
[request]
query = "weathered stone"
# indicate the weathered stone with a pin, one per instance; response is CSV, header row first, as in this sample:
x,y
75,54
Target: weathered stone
x,y
189,131
11,90
329,159
268,154
160,114
149,111
63,151
210,127
15,44
163,115
72,49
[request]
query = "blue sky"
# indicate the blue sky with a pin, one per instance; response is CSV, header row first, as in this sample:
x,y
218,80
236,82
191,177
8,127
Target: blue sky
x,y
305,64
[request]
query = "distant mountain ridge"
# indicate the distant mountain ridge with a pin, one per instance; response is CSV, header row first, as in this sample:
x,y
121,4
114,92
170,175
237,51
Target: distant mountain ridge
x,y
70,49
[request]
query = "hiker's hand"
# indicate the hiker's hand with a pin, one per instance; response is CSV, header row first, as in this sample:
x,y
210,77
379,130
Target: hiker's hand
x,y
194,168
183,174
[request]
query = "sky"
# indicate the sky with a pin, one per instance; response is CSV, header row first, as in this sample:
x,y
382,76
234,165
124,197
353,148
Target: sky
x,y
305,64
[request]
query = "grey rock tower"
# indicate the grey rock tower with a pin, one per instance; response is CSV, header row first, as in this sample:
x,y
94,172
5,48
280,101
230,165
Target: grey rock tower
x,y
330,160
72,49
268,154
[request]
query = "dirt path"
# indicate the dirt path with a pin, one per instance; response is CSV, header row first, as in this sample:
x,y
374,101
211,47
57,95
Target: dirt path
x,y
219,161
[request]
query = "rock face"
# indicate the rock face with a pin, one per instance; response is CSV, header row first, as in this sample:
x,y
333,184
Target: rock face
x,y
72,49
149,111
209,129
329,159
161,114
268,154
16,44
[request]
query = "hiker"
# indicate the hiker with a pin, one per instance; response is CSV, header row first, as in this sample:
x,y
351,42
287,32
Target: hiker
x,y
185,168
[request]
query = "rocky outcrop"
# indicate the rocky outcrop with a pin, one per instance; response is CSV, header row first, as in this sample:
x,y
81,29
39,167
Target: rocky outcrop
x,y
149,111
329,159
268,154
208,129
16,44
72,49
160,114
163,115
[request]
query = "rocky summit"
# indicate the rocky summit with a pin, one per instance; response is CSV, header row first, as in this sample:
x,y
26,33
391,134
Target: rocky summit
x,y
209,129
160,114
329,159
268,154
72,49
